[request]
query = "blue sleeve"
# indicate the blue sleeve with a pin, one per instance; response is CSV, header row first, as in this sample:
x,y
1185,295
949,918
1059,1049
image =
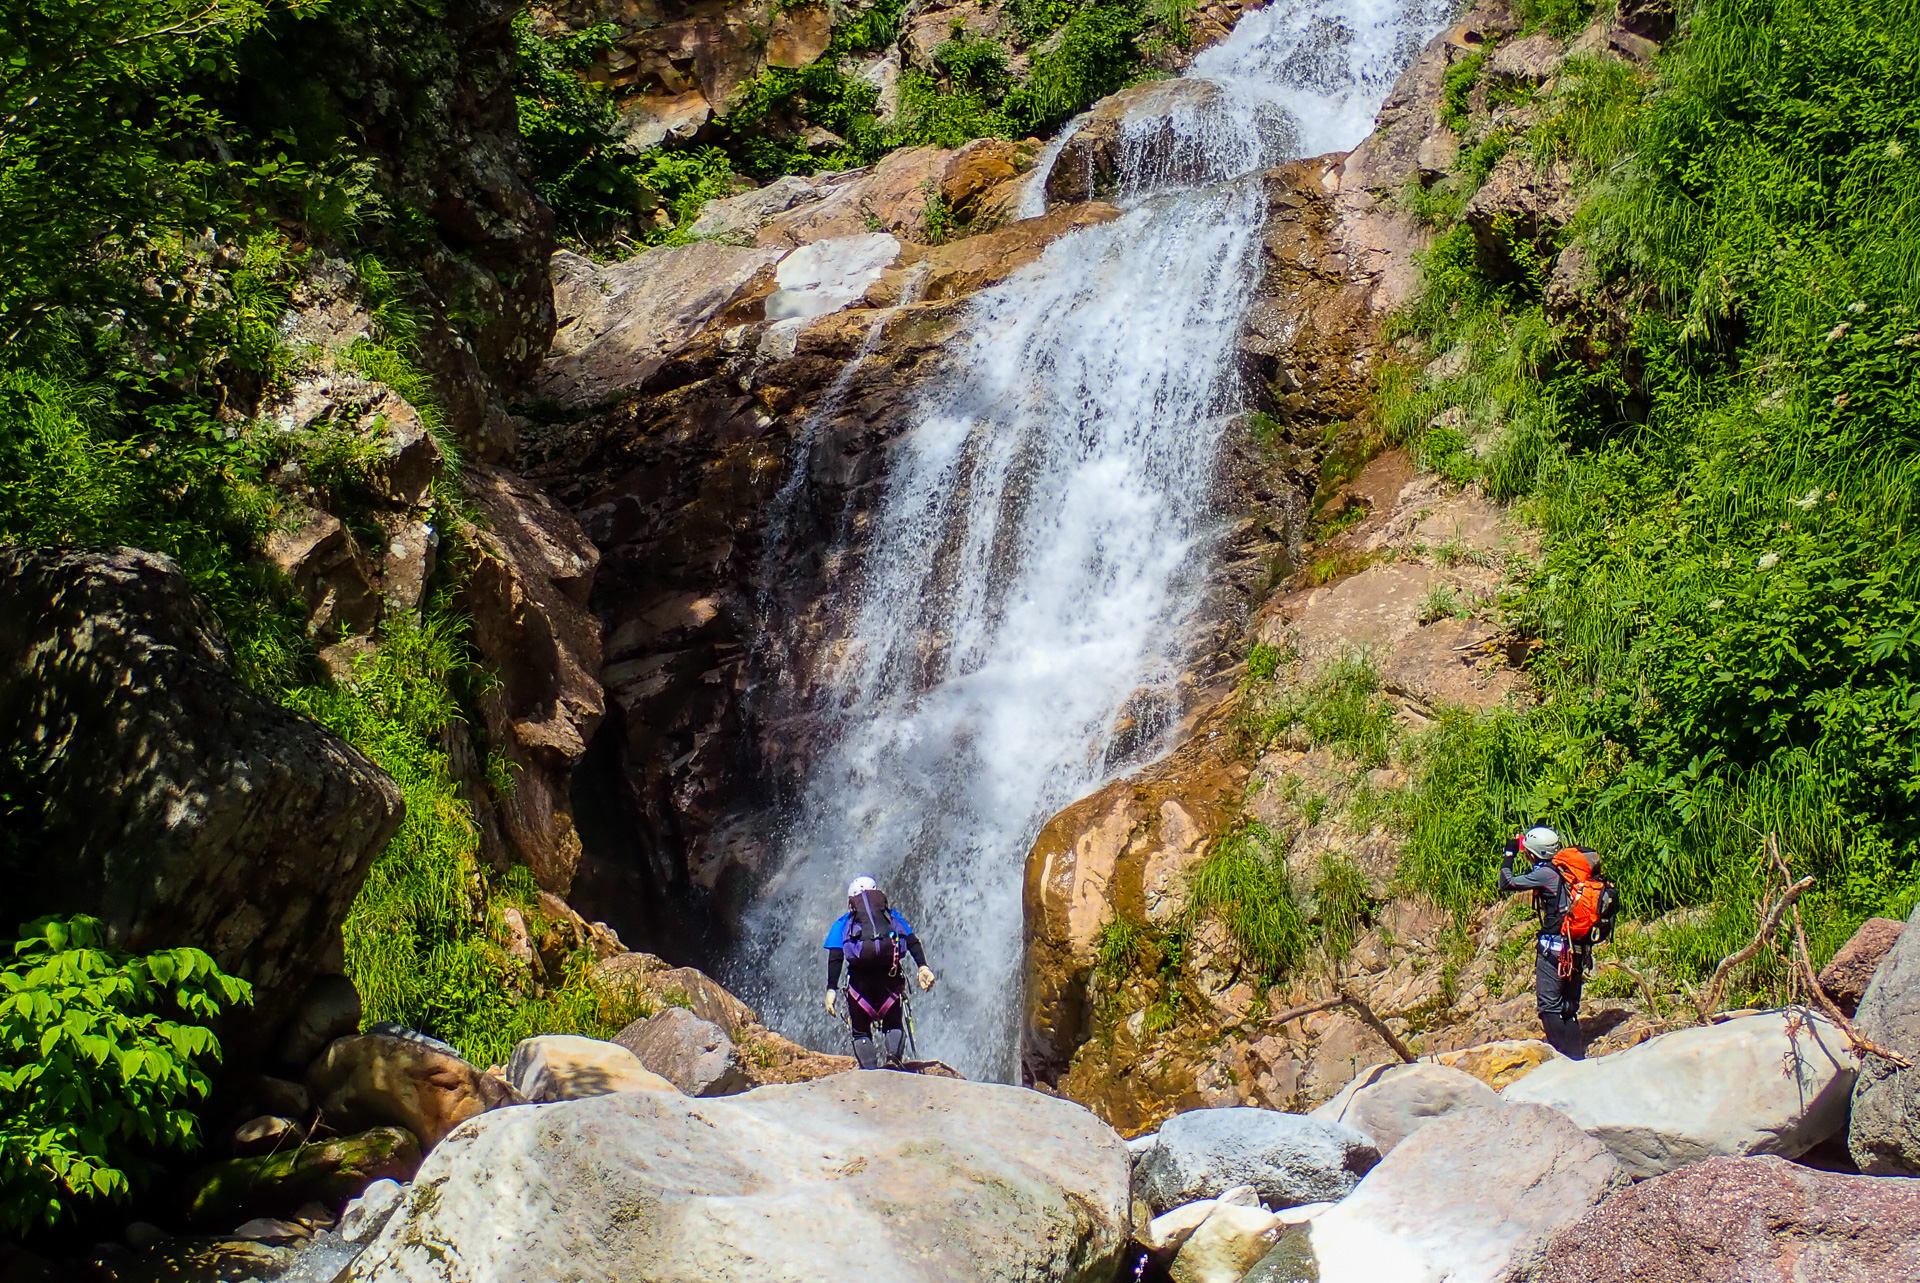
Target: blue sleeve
x,y
837,933
900,922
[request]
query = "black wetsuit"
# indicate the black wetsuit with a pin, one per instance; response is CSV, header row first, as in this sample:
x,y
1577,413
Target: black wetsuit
x,y
876,995
1556,996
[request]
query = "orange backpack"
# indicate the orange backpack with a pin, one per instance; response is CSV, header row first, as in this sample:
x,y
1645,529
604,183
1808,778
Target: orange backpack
x,y
1588,904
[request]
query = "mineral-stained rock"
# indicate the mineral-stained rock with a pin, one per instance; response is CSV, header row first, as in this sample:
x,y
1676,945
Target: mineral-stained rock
x,y
877,1175
175,804
1288,1158
694,1055
375,1079
1225,1245
280,1184
1388,1103
329,570
1847,976
1884,1133
568,1067
1500,1064
1773,1083
526,593
1746,1220
1472,1198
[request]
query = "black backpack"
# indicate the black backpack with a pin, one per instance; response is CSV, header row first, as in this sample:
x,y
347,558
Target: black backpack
x,y
871,945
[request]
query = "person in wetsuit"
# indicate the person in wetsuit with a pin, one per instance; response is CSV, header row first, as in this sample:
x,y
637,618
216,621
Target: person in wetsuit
x,y
868,940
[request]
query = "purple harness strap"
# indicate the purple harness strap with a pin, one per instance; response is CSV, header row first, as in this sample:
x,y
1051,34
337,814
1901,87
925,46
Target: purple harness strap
x,y
868,1007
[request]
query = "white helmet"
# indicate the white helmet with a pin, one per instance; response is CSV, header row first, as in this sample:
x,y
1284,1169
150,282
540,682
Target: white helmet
x,y
858,885
1541,843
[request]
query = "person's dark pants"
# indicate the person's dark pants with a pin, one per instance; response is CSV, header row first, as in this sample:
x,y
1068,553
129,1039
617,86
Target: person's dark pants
x,y
888,1010
1558,998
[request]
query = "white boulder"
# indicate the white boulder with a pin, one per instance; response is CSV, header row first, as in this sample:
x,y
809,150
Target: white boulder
x,y
862,1175
1471,1198
568,1067
1388,1103
1773,1083
1226,1245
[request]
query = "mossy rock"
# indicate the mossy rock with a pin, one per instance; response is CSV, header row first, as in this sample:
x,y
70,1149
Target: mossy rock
x,y
279,1184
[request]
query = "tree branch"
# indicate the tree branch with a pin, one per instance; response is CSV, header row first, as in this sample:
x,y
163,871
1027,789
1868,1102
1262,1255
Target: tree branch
x,y
1770,923
1347,998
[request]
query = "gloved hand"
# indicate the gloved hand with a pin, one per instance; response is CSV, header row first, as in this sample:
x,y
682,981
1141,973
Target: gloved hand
x,y
926,978
830,1010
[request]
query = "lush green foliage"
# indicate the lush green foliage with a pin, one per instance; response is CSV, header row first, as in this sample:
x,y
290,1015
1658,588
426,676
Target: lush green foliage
x,y
100,1054
1728,601
599,186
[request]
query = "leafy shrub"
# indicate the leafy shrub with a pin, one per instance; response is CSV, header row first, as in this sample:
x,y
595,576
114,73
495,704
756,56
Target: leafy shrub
x,y
597,184
95,1067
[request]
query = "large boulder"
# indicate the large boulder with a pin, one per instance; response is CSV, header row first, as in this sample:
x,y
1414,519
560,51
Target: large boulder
x,y
568,1067
694,1055
1884,1133
1773,1083
1746,1220
873,1175
377,1078
1288,1158
281,1183
1388,1103
1472,1198
1846,977
165,796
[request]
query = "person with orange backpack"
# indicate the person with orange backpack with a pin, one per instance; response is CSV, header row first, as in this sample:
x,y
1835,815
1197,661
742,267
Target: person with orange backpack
x,y
1577,910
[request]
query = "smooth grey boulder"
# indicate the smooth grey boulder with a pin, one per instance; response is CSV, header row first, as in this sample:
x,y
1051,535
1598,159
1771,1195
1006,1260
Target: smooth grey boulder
x,y
1884,1132
1474,1197
1288,1158
1388,1103
694,1055
872,1175
1772,1083
170,800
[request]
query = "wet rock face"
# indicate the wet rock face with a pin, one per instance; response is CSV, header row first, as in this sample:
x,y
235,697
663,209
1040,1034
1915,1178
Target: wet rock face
x,y
527,594
671,409
180,807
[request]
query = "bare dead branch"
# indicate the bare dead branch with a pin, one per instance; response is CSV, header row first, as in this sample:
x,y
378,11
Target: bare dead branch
x,y
1769,923
1347,998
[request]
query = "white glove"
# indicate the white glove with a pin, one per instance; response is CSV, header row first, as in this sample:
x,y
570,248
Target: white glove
x,y
926,978
830,1010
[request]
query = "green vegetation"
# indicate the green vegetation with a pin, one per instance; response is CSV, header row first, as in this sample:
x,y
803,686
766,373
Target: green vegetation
x,y
100,1054
1342,706
1244,883
168,181
1724,460
599,187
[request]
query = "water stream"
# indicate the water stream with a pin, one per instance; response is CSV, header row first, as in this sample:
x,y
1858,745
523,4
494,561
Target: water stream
x,y
1045,530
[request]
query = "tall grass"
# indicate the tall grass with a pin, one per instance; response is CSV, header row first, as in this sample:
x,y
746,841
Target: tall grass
x,y
1730,595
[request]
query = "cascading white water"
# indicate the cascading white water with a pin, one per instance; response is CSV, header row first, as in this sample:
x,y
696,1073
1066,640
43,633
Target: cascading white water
x,y
1044,528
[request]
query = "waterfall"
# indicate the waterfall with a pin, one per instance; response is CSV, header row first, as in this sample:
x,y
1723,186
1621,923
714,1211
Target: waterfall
x,y
1044,532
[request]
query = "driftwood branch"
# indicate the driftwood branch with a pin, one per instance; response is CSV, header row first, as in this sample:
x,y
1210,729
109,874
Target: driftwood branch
x,y
1646,989
1347,998
1803,963
1769,924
